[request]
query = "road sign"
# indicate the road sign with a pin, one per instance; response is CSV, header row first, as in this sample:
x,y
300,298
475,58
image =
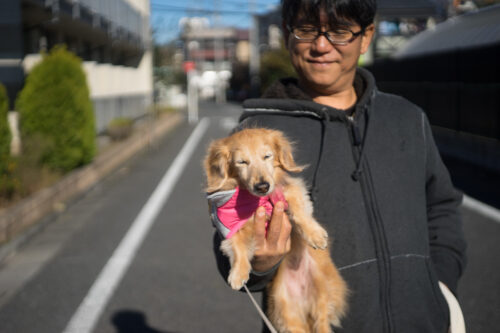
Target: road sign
x,y
188,66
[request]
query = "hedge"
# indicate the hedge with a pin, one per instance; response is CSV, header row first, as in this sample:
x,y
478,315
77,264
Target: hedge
x,y
54,106
5,135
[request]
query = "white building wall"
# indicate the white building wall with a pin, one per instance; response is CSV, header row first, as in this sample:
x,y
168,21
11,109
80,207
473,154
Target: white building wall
x,y
106,80
142,5
118,91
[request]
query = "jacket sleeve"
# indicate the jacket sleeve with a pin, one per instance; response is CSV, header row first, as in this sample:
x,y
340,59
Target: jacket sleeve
x,y
257,281
447,242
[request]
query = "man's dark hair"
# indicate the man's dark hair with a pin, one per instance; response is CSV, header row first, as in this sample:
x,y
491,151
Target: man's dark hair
x,y
338,11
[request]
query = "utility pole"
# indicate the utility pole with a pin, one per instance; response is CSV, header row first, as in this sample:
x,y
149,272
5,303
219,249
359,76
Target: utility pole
x,y
191,71
254,66
218,55
192,85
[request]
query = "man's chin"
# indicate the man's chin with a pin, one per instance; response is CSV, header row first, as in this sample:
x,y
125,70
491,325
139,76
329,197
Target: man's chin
x,y
324,84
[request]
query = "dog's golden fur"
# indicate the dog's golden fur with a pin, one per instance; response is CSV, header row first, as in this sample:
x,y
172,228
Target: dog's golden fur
x,y
307,293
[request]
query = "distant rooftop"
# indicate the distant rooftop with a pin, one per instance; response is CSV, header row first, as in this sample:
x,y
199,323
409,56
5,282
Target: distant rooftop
x,y
407,8
475,29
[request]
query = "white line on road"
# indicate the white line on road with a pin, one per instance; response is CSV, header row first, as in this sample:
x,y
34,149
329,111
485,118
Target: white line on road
x,y
228,123
481,208
85,317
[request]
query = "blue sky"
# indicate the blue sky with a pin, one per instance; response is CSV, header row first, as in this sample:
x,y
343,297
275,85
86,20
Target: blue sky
x,y
165,14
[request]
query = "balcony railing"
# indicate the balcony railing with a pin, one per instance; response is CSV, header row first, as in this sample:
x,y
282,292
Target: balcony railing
x,y
118,16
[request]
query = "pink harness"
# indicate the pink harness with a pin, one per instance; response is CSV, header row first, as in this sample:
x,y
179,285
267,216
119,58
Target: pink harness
x,y
231,209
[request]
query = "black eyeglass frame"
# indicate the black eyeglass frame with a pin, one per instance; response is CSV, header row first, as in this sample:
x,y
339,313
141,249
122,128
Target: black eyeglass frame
x,y
325,33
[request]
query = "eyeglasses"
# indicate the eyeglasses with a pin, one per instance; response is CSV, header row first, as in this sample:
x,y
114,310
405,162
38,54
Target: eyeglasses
x,y
338,36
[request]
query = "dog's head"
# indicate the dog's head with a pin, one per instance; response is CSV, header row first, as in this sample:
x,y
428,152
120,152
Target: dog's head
x,y
255,159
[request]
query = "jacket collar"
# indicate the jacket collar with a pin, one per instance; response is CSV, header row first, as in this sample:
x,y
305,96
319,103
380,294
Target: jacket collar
x,y
286,96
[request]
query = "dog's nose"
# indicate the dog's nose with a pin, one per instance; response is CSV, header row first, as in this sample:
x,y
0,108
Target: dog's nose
x,y
261,187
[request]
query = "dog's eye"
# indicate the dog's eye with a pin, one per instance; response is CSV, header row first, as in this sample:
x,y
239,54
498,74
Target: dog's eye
x,y
241,162
268,156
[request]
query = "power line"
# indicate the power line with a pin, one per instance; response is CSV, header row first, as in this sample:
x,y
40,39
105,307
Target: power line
x,y
199,10
167,7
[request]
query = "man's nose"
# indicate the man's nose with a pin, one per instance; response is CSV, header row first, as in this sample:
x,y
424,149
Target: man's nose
x,y
321,44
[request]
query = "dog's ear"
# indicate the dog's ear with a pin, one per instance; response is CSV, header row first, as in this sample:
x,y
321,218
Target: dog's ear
x,y
283,150
216,165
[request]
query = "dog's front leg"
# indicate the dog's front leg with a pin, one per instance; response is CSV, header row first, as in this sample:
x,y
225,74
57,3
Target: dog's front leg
x,y
240,249
301,212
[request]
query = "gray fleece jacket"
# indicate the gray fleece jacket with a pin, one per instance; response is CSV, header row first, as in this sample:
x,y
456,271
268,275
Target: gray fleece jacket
x,y
380,189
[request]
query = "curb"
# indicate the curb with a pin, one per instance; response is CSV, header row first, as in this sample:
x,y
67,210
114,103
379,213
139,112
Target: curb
x,y
22,219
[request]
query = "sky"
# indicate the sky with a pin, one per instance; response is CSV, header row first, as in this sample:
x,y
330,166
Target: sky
x,y
165,14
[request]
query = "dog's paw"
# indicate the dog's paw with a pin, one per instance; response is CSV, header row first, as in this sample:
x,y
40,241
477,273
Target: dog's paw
x,y
335,321
318,238
237,279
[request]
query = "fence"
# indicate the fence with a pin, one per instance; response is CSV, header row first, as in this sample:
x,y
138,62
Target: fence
x,y
459,90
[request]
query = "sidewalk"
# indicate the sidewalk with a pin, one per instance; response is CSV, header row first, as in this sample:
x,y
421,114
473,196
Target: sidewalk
x,y
23,219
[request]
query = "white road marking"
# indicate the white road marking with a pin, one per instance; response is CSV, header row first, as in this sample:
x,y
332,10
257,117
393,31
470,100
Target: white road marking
x,y
87,314
228,123
481,208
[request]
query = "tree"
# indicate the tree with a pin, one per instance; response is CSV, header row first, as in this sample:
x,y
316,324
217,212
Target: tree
x,y
55,107
275,64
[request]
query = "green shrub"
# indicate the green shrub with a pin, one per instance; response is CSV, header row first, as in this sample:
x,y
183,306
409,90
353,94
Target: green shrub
x,y
5,135
120,128
24,174
6,163
55,106
274,65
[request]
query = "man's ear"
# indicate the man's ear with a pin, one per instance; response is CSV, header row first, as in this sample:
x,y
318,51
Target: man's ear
x,y
216,165
367,38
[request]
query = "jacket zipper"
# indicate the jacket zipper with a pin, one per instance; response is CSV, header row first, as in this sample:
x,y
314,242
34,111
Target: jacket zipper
x,y
375,221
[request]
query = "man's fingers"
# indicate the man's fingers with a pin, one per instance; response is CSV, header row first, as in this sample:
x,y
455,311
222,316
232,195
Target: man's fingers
x,y
260,226
274,229
271,246
286,229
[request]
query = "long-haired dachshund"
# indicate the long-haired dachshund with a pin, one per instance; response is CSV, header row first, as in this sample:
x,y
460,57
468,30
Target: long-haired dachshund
x,y
249,169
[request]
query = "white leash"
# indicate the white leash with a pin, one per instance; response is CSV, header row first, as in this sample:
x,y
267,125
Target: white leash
x,y
259,310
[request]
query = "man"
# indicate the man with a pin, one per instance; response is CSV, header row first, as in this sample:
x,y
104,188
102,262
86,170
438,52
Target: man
x,y
376,178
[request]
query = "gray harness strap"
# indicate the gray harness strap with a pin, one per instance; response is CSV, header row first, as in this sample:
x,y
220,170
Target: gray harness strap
x,y
216,200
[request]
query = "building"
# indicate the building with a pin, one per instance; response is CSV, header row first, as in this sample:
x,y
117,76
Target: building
x,y
269,30
217,52
213,48
399,20
111,36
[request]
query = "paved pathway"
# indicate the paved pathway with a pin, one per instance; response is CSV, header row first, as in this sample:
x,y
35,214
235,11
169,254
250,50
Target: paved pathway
x,y
164,278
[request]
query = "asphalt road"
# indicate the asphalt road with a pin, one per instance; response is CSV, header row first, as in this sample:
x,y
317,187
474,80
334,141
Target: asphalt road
x,y
171,283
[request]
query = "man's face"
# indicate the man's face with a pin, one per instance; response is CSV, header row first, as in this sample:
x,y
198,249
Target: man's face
x,y
324,68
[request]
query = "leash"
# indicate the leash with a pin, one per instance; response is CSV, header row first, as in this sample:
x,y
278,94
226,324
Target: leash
x,y
259,310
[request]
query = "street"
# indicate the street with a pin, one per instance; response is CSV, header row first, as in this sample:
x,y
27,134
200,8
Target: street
x,y
166,280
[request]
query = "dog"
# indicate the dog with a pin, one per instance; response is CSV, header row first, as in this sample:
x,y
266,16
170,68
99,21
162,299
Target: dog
x,y
307,294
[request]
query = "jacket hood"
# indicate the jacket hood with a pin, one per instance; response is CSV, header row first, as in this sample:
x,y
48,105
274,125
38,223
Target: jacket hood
x,y
286,95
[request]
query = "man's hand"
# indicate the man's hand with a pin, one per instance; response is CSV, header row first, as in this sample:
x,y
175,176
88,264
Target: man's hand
x,y
271,248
